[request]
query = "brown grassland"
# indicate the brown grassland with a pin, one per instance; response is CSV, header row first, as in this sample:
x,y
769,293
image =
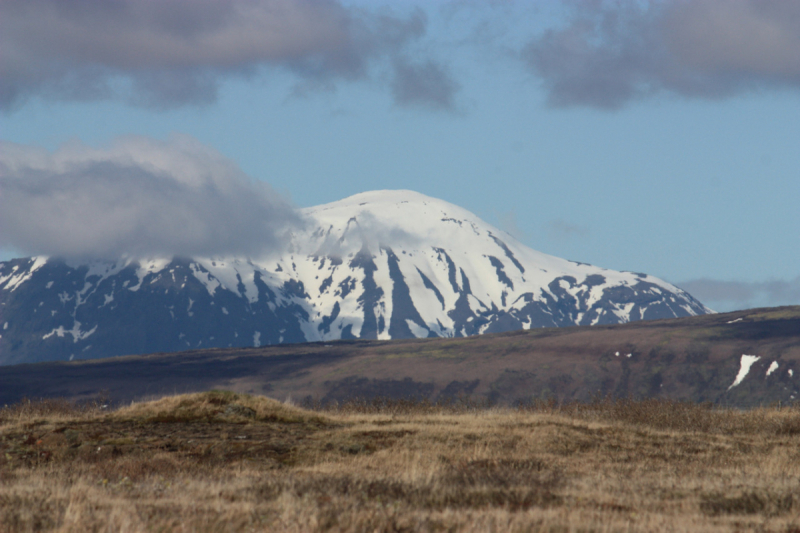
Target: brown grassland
x,y
221,461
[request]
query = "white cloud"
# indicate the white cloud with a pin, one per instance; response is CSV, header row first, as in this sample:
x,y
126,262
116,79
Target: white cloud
x,y
138,196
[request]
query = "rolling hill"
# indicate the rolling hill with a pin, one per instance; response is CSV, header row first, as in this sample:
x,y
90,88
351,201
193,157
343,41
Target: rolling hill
x,y
742,359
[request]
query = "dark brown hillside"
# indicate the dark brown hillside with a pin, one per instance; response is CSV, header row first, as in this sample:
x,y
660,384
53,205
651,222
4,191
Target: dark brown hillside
x,y
695,359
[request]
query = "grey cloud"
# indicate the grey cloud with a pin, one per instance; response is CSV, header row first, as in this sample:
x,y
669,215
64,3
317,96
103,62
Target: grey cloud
x,y
610,53
508,223
171,52
373,233
138,197
364,230
730,295
168,89
426,84
561,229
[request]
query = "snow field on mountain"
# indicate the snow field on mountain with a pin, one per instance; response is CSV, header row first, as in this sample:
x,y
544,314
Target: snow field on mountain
x,y
454,250
488,258
382,264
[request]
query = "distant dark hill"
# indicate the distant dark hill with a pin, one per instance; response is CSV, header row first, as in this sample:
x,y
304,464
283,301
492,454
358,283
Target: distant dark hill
x,y
744,359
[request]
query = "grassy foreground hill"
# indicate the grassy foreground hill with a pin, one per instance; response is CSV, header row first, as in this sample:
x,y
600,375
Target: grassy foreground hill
x,y
222,461
743,359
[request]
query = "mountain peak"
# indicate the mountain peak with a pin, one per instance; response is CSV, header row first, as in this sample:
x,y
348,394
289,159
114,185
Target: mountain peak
x,y
390,197
398,211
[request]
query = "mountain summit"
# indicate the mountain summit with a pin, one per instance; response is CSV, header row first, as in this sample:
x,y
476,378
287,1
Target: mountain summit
x,y
377,265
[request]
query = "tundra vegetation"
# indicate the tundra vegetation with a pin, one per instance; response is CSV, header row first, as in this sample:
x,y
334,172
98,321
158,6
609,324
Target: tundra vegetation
x,y
221,461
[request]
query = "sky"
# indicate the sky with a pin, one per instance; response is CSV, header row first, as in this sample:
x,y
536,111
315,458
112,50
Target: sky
x,y
650,136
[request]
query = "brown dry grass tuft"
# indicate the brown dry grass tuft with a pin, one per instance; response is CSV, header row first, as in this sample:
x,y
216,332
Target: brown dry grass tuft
x,y
674,415
216,405
221,461
29,410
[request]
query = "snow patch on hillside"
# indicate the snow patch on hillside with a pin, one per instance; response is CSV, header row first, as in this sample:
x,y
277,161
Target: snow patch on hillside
x,y
772,367
77,334
744,368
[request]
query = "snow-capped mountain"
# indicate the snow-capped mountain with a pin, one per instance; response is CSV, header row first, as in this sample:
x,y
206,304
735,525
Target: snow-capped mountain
x,y
383,264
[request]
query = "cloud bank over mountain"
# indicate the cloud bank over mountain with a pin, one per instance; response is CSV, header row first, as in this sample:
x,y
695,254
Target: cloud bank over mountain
x,y
136,197
611,53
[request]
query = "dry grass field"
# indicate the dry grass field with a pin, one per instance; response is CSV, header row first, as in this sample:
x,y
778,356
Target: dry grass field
x,y
221,461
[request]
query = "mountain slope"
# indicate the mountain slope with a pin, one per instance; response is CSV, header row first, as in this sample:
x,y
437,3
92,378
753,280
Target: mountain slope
x,y
451,274
377,265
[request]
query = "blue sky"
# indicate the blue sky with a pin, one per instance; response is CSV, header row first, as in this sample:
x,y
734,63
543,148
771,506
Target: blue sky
x,y
609,133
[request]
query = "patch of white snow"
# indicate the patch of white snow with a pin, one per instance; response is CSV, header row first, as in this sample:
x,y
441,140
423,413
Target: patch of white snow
x,y
146,267
210,282
15,278
257,339
772,367
744,367
77,334
417,330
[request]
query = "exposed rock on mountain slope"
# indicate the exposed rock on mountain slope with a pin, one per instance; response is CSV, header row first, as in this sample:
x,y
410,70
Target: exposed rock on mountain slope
x,y
377,265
